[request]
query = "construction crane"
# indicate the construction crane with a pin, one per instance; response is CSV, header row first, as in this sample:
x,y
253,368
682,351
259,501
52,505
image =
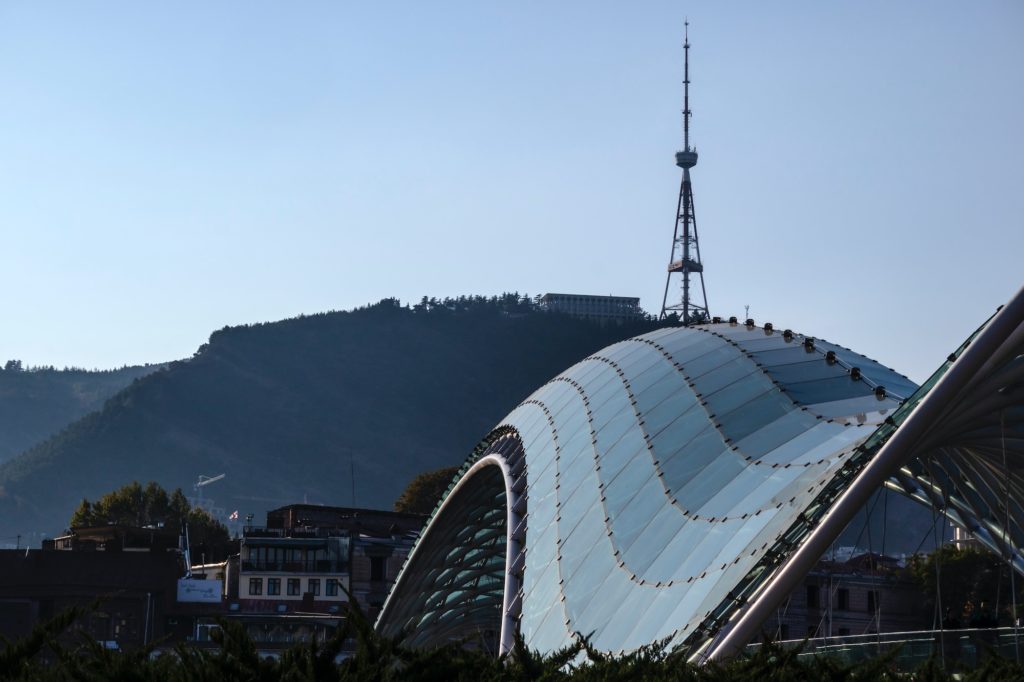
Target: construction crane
x,y
202,482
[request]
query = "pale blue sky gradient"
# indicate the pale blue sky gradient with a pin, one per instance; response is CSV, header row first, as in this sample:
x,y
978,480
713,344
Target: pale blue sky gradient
x,y
169,169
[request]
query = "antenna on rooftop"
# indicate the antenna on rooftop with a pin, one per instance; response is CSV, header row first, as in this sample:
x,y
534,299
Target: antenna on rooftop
x,y
352,471
685,259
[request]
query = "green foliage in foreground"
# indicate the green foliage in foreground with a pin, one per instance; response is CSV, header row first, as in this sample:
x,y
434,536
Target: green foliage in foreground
x,y
380,658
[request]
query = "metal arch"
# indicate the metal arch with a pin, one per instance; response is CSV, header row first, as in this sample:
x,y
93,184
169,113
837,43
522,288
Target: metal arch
x,y
428,607
439,605
996,345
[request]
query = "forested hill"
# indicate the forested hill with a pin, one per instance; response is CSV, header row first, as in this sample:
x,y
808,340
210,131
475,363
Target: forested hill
x,y
282,408
37,402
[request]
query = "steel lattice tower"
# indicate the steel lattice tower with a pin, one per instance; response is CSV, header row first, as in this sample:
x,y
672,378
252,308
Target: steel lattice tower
x,y
685,258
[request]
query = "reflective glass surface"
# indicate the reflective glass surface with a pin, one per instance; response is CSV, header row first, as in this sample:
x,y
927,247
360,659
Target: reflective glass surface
x,y
691,449
659,469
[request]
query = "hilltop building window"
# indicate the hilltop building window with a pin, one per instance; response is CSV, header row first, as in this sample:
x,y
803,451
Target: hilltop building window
x,y
314,587
273,586
255,585
332,587
377,567
812,596
294,588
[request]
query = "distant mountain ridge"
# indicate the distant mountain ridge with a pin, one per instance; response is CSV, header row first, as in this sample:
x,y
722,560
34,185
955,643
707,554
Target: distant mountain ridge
x,y
37,402
287,409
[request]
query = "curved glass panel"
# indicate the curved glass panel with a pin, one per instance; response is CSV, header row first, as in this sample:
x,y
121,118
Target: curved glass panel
x,y
681,451
455,593
661,479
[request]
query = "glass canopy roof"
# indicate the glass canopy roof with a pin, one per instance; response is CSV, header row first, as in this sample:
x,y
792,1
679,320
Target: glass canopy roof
x,y
661,469
662,481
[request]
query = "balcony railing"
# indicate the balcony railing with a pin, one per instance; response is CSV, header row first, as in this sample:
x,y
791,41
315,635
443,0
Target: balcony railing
x,y
263,532
317,566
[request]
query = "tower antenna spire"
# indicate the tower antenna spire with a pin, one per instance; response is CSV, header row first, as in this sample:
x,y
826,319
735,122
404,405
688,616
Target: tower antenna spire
x,y
686,85
685,258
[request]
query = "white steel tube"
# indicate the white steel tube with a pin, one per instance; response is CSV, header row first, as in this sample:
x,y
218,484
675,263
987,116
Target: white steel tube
x,y
887,461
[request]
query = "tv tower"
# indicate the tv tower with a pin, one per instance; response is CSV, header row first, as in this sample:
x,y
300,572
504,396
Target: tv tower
x,y
685,260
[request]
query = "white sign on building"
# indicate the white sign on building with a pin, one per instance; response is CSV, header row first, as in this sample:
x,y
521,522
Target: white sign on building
x,y
205,591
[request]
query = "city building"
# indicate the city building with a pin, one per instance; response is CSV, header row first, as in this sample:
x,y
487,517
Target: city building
x,y
680,485
865,595
309,558
115,538
127,598
615,308
289,583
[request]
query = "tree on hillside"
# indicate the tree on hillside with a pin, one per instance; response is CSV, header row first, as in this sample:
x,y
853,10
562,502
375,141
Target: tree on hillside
x,y
135,505
423,492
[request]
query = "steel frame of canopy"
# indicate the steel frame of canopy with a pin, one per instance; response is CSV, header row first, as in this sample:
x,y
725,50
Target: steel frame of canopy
x,y
957,445
475,547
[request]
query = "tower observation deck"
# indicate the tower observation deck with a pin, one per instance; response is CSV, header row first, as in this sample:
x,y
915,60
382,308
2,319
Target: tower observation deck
x,y
685,258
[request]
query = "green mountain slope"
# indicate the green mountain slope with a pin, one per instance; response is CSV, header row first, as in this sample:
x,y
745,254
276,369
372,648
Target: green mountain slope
x,y
36,403
288,409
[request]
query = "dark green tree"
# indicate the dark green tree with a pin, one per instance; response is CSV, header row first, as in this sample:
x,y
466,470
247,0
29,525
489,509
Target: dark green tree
x,y
150,505
975,583
423,492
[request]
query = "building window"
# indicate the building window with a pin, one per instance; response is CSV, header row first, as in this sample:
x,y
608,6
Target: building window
x,y
812,596
843,599
255,585
872,601
377,566
273,586
294,587
783,631
314,587
332,587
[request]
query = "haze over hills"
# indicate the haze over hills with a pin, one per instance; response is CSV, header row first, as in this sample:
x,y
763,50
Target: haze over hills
x,y
36,402
288,409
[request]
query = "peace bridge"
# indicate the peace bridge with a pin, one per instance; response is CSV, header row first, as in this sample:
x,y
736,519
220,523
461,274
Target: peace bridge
x,y
678,485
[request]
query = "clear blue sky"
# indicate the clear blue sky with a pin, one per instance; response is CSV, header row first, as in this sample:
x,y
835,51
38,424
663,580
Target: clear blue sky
x,y
167,169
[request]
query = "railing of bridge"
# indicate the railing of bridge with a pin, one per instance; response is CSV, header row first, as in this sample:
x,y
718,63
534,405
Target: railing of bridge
x,y
964,648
